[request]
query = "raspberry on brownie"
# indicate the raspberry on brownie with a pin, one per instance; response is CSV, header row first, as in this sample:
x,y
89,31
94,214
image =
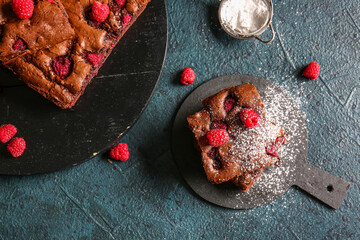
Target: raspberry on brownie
x,y
252,141
65,44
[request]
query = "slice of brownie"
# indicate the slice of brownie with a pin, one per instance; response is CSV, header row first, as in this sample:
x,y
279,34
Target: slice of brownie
x,y
61,71
47,27
56,73
247,153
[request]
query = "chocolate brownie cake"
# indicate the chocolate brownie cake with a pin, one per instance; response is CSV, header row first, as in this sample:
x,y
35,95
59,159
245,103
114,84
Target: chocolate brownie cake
x,y
249,142
60,48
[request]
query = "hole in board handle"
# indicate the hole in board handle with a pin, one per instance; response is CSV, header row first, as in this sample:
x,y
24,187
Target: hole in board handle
x,y
330,188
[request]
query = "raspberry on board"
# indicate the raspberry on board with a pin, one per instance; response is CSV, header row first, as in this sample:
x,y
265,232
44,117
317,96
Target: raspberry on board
x,y
99,11
17,147
120,152
217,137
249,117
312,71
23,8
7,132
187,76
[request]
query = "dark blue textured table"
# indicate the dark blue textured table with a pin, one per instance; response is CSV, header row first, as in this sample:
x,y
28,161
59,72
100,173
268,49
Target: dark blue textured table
x,y
146,197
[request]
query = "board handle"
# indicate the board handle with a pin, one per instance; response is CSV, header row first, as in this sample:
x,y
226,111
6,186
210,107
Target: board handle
x,y
322,185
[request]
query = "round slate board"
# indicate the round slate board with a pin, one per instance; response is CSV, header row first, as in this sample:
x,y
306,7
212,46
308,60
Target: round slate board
x,y
274,181
58,138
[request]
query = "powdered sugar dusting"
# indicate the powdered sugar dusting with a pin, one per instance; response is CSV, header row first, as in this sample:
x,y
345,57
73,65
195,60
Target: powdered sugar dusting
x,y
284,111
251,143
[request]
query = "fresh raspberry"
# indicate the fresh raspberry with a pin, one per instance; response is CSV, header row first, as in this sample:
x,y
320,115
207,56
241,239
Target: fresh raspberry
x,y
312,71
19,45
7,132
229,104
99,11
216,137
249,117
126,20
120,3
17,147
120,152
61,67
271,150
218,125
187,76
23,8
52,1
94,59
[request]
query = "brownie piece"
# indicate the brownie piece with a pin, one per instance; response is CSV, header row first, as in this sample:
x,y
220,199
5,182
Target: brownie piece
x,y
61,69
37,71
47,27
247,180
244,156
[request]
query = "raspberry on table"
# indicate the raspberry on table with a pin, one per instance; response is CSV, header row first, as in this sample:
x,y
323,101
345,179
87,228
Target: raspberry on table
x,y
61,67
17,147
7,132
120,152
23,8
217,137
99,11
187,76
249,117
312,71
